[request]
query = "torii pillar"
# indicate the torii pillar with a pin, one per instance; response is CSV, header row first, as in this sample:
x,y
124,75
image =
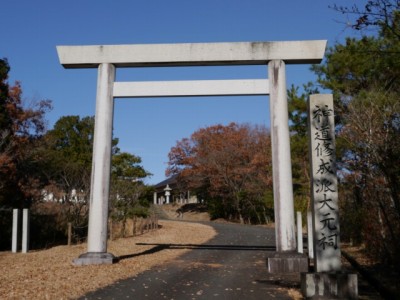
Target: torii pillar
x,y
281,158
108,57
101,170
286,259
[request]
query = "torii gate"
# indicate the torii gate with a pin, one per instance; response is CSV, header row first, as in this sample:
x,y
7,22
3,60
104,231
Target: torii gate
x,y
109,57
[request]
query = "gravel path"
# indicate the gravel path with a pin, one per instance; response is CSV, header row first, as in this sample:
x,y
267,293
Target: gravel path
x,y
230,266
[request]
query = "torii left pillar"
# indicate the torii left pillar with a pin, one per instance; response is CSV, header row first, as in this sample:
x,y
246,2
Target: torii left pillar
x,y
101,167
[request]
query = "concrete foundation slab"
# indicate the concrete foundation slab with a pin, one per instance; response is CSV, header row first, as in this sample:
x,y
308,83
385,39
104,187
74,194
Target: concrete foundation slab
x,y
336,285
95,258
287,262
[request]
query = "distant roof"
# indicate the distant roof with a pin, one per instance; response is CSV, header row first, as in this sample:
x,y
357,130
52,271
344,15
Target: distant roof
x,y
170,180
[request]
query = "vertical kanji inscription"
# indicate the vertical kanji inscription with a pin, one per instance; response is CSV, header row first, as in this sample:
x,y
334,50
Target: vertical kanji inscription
x,y
324,193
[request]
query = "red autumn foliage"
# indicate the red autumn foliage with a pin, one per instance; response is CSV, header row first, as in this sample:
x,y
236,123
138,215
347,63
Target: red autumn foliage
x,y
231,163
20,129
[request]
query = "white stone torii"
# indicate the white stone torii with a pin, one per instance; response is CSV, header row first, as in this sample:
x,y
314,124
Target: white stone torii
x,y
109,57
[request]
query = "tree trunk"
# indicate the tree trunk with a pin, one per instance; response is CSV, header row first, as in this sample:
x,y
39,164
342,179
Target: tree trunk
x,y
123,227
134,225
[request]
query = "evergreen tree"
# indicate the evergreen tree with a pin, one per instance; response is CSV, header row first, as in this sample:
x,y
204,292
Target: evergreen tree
x,y
364,75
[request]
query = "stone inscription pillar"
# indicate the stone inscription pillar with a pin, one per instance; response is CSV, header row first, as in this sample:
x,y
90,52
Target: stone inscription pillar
x,y
281,160
101,168
324,189
328,281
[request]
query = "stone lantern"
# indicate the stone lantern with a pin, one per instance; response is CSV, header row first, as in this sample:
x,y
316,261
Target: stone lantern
x,y
167,193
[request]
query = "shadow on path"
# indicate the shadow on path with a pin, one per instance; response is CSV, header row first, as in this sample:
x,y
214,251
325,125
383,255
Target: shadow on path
x,y
155,249
161,247
213,247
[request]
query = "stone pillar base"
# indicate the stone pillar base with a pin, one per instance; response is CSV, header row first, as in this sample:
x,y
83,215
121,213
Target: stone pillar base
x,y
329,285
95,258
287,262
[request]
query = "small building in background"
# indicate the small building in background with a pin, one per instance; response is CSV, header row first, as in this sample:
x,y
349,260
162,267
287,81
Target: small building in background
x,y
168,191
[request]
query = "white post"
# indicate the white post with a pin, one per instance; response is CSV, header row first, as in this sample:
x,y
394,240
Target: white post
x,y
25,230
299,233
101,165
14,242
281,160
155,198
310,235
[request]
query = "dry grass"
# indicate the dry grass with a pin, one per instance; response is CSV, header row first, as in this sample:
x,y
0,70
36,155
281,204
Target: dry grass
x,y
386,277
49,274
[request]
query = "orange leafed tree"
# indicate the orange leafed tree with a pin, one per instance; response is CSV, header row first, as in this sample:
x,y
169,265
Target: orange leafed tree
x,y
228,164
20,129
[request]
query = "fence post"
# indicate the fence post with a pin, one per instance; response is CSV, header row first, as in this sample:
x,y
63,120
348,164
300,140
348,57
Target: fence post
x,y
14,241
111,229
310,239
134,225
69,233
25,230
299,233
141,225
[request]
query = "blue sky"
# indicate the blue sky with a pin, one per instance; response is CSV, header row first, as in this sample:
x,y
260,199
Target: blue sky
x,y
31,30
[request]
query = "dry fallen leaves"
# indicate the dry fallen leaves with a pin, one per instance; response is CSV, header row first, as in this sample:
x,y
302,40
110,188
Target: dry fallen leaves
x,y
49,274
